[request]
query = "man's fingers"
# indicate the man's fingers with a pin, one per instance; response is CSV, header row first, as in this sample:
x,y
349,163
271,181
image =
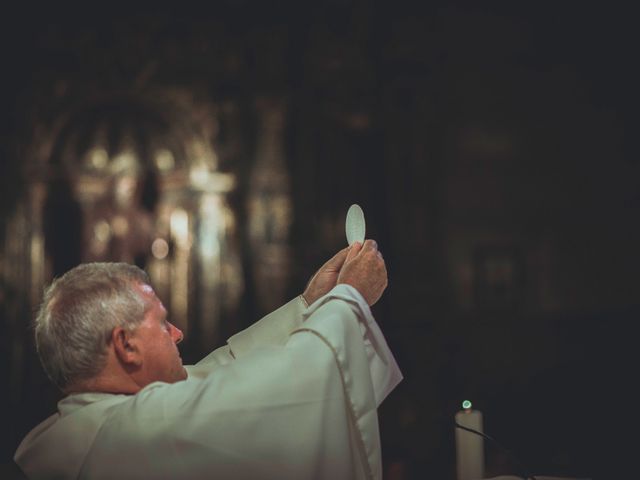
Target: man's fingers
x,y
370,245
354,249
336,262
357,247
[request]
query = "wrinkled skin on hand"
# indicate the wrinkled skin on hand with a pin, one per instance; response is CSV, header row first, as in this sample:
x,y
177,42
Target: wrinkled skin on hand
x,y
360,265
325,278
365,270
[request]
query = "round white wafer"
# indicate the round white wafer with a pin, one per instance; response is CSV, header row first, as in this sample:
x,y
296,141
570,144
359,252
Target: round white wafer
x,y
355,225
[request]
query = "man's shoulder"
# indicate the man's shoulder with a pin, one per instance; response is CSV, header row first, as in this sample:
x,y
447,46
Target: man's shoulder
x,y
59,443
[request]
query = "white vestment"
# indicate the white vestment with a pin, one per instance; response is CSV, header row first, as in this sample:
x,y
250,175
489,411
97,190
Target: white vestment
x,y
294,396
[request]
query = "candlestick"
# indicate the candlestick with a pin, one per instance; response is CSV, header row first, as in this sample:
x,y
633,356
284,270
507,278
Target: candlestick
x,y
469,446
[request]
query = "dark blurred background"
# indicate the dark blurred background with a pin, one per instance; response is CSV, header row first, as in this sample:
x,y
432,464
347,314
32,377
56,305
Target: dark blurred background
x,y
491,145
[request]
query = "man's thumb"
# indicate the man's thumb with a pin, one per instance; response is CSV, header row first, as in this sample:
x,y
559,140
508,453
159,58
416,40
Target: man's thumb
x,y
336,262
353,251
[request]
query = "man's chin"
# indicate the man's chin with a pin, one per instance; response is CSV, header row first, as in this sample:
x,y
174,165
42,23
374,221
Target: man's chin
x,y
179,375
183,375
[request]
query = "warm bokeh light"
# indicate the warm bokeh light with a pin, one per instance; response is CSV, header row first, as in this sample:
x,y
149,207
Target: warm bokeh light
x,y
164,160
98,158
180,226
102,231
199,175
120,225
160,248
126,161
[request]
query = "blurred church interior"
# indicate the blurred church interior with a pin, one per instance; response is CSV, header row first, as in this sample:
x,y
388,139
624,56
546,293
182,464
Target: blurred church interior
x,y
220,148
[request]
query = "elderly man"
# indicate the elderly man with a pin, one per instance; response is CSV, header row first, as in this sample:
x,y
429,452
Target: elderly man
x,y
294,396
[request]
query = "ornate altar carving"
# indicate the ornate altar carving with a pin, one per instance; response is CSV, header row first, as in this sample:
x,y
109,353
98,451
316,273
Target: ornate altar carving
x,y
134,178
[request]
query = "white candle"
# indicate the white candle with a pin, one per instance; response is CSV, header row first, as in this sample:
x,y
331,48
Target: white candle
x,y
469,446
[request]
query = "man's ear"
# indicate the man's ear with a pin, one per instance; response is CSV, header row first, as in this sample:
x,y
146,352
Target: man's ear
x,y
125,347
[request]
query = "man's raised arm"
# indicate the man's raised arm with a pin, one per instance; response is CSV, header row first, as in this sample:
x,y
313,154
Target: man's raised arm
x,y
275,328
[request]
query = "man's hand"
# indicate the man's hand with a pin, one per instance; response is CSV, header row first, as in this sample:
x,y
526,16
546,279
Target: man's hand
x,y
325,278
364,269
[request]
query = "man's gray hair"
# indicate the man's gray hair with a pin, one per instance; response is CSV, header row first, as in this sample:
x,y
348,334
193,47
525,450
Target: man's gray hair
x,y
78,313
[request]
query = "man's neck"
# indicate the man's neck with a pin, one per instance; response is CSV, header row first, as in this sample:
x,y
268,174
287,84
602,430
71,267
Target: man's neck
x,y
105,383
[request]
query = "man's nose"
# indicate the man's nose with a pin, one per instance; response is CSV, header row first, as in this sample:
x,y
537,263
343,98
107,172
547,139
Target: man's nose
x,y
176,334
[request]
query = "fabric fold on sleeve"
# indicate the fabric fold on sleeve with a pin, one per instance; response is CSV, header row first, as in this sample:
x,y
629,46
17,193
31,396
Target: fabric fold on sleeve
x,y
385,373
273,329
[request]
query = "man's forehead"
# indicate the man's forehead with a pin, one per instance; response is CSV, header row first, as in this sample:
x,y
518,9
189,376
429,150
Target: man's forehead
x,y
152,299
146,290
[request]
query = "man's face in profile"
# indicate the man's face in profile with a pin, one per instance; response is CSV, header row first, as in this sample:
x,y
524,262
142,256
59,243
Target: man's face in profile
x,y
157,340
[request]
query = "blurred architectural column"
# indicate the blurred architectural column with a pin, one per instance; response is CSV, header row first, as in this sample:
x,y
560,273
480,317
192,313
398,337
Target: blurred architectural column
x,y
37,196
15,302
269,207
131,179
217,256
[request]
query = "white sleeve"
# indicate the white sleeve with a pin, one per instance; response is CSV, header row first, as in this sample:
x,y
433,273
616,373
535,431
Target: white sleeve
x,y
272,329
385,373
302,409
